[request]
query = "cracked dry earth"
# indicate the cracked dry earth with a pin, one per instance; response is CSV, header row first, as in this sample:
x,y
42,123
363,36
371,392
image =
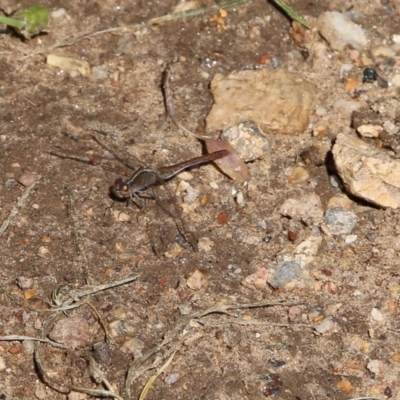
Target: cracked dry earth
x,y
331,333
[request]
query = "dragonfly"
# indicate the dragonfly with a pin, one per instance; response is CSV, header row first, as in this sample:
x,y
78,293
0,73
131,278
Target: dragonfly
x,y
145,182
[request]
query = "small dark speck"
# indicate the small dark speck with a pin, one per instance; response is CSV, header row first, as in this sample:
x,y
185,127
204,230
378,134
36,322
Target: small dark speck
x,y
369,75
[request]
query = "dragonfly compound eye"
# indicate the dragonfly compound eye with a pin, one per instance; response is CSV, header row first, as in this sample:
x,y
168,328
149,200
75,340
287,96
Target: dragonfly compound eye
x,y
120,189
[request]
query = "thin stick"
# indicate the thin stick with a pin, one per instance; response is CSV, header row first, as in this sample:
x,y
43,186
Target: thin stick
x,y
15,209
18,337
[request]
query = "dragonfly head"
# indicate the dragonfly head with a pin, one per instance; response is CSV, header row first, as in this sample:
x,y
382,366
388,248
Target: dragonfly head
x,y
121,190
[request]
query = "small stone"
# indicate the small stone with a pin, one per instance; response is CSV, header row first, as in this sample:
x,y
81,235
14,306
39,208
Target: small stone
x,y
345,385
284,273
102,353
308,209
307,250
376,315
325,326
171,378
383,51
30,294
339,221
205,244
29,346
43,251
340,200
248,140
370,131
24,282
58,13
68,64
298,175
197,280
339,31
185,309
258,280
16,348
350,239
133,346
72,332
121,216
376,367
27,179
173,251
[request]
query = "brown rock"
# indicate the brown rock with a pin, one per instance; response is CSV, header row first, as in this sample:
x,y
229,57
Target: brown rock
x,y
277,100
367,172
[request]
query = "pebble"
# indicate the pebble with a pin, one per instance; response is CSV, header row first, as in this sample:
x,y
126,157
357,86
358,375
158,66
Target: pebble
x,y
284,273
258,280
376,315
325,326
307,209
24,283
43,251
339,31
299,174
205,244
27,179
248,140
370,131
171,378
121,216
307,250
376,367
185,309
339,221
102,353
340,200
29,346
275,99
133,346
350,239
197,280
60,12
383,52
367,172
72,332
70,65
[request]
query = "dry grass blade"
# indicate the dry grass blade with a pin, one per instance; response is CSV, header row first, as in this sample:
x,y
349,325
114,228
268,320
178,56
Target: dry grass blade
x,y
150,382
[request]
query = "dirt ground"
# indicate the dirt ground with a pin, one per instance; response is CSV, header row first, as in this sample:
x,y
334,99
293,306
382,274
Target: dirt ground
x,y
63,237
